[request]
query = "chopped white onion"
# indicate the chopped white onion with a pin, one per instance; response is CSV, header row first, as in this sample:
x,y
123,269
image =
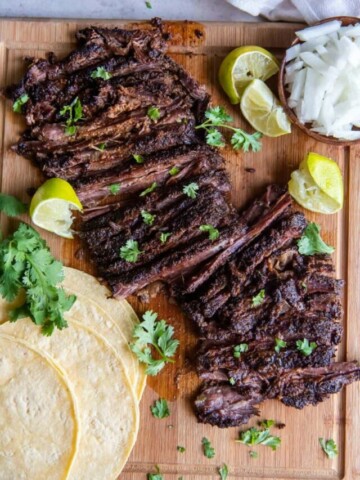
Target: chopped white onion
x,y
322,76
323,29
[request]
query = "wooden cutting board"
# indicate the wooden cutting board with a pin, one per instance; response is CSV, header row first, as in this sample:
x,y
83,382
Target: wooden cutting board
x,y
200,48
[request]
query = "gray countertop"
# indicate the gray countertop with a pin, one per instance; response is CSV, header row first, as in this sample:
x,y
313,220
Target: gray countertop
x,y
203,10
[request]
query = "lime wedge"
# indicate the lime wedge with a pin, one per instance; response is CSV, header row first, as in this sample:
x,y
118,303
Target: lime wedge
x,y
263,111
52,205
242,65
319,190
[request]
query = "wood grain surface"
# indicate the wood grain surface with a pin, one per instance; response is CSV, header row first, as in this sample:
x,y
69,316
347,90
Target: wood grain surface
x,y
200,48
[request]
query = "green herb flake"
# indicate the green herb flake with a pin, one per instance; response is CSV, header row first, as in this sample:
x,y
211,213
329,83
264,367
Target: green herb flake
x,y
101,72
180,449
153,113
174,171
157,334
74,113
216,117
267,423
114,188
101,146
150,189
208,450
164,236
160,409
255,436
311,242
148,4
19,102
214,233
329,447
258,299
279,344
223,471
305,347
26,263
239,349
11,205
147,217
232,381
130,251
191,189
155,476
138,158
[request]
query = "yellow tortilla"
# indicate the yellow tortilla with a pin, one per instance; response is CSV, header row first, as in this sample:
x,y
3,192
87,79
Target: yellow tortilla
x,y
112,319
108,408
38,422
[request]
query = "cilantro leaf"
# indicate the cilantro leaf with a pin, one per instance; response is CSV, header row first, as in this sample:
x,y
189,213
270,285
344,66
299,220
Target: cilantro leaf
x,y
258,299
150,189
138,158
279,344
214,138
147,217
174,171
255,436
26,263
217,116
245,141
208,450
148,4
157,334
305,347
232,381
267,423
130,251
329,447
101,72
19,102
160,409
311,242
224,471
155,476
239,349
11,205
164,236
114,188
153,113
180,449
191,189
74,113
214,233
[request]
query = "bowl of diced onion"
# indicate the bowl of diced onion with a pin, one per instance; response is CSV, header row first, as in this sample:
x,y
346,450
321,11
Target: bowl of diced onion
x,y
319,80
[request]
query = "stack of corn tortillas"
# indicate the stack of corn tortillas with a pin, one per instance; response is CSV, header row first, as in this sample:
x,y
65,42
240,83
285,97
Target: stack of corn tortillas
x,y
69,402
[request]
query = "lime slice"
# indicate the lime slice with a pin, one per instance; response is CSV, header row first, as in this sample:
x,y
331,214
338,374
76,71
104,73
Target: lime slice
x,y
327,176
242,65
308,193
263,111
51,207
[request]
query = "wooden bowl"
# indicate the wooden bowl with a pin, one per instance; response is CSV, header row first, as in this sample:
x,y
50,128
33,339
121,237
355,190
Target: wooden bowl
x,y
283,94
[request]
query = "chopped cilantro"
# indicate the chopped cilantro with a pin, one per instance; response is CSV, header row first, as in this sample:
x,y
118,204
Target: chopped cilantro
x,y
138,158
160,409
191,189
239,349
311,242
147,217
164,236
214,233
329,447
19,102
208,450
305,347
149,189
153,113
279,344
114,188
101,72
130,251
258,299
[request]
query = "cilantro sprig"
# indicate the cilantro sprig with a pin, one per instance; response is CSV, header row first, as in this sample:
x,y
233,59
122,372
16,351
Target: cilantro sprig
x,y
306,347
11,205
74,113
160,409
26,263
239,349
102,73
130,251
147,217
19,102
214,233
216,117
256,436
311,242
191,190
208,449
329,447
154,336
